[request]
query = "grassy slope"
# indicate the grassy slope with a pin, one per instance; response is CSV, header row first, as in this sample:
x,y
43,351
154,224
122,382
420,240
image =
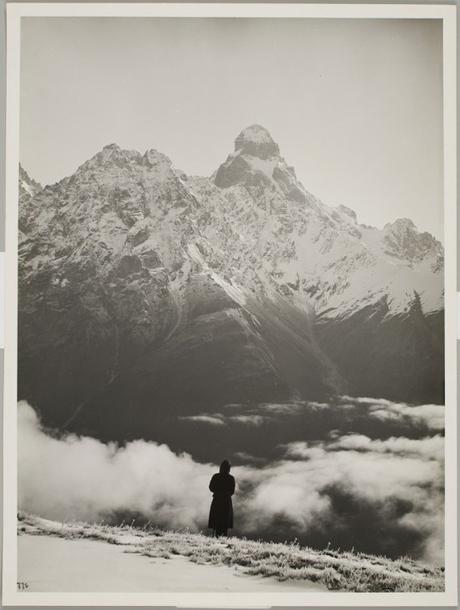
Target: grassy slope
x,y
339,571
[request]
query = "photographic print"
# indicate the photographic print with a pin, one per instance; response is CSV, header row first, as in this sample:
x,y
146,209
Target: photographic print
x,y
231,250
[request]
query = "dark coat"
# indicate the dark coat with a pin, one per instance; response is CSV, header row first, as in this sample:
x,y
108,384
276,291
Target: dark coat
x,y
221,512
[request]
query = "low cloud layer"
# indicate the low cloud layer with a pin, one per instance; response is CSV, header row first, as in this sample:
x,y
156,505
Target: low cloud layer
x,y
80,478
429,417
381,496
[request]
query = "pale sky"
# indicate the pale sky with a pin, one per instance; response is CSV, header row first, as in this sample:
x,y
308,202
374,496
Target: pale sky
x,y
355,105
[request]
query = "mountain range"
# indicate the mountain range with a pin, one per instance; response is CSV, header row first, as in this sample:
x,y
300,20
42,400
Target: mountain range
x,y
146,294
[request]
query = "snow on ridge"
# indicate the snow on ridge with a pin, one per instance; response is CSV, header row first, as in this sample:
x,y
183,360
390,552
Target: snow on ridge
x,y
233,291
314,254
27,187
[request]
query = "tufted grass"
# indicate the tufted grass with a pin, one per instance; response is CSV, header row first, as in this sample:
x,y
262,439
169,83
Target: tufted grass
x,y
336,570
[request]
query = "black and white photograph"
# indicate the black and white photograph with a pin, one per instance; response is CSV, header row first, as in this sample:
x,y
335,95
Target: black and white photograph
x,y
230,374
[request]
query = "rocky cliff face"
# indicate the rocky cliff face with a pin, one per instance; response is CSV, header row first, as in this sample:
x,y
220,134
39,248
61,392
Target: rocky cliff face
x,y
145,293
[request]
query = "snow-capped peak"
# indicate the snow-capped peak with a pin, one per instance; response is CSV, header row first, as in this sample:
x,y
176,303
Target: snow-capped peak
x,y
255,140
316,255
256,162
402,240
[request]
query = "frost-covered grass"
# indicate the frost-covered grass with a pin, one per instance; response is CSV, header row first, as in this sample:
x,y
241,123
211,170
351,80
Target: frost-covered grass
x,y
337,570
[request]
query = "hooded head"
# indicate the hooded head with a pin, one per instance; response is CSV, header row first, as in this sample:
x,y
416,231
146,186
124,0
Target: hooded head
x,y
225,467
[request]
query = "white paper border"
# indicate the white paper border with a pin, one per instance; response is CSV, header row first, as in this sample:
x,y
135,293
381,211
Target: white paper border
x,y
347,11
2,300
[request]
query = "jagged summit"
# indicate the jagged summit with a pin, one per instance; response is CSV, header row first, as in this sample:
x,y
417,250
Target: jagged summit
x,y
112,155
402,224
403,240
256,161
255,140
27,185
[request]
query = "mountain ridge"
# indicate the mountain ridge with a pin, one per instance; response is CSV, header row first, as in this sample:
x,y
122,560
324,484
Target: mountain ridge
x,y
242,286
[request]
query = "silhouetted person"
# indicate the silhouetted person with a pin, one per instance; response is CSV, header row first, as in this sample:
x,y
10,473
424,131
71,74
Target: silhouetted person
x,y
222,486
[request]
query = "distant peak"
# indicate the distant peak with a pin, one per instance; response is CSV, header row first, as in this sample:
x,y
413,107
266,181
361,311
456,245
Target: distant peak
x,y
401,224
402,240
112,146
256,141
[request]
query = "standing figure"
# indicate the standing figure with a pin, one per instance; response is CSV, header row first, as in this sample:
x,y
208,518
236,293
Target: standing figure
x,y
222,486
